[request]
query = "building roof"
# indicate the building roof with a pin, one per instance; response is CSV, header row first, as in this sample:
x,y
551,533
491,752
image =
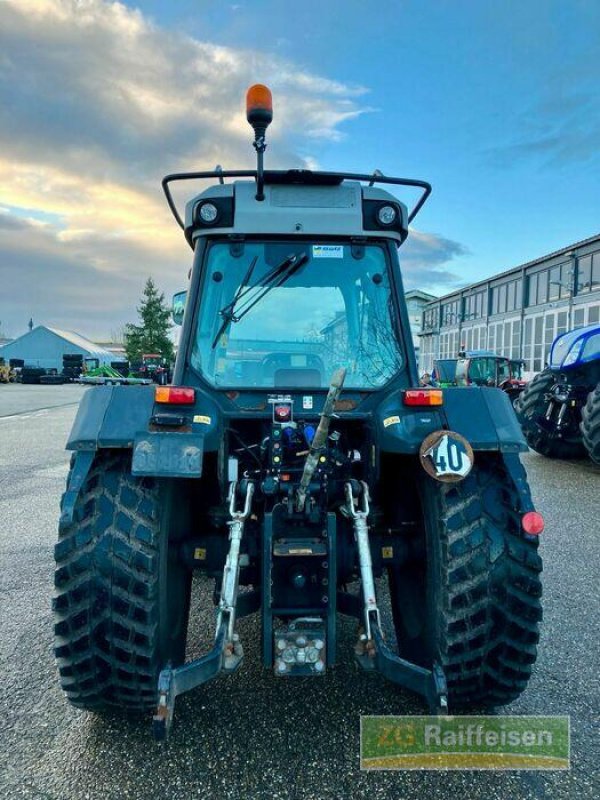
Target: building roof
x,y
420,294
518,268
69,336
75,339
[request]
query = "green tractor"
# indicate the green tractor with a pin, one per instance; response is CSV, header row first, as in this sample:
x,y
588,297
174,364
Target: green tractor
x,y
296,461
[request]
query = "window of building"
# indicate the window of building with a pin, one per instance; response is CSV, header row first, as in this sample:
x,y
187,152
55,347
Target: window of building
x,y
542,287
532,283
502,299
595,282
475,305
495,300
451,313
516,339
561,326
593,315
566,280
499,329
430,318
578,318
538,332
527,343
507,340
584,274
554,286
510,296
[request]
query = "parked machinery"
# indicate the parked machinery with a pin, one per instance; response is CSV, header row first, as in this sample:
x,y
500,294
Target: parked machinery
x,y
559,410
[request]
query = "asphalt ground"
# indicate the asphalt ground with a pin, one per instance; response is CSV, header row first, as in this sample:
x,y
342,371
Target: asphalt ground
x,y
252,735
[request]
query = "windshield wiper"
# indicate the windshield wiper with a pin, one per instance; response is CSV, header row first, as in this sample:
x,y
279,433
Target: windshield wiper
x,y
227,311
276,277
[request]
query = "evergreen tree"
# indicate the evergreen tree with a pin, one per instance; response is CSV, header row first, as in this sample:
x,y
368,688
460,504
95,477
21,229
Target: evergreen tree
x,y
152,335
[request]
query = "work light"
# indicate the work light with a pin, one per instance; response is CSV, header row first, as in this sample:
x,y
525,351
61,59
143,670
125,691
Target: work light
x,y
208,213
386,215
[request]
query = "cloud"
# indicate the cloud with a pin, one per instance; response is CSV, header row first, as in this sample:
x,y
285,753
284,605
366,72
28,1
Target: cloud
x,y
61,283
423,259
562,127
97,103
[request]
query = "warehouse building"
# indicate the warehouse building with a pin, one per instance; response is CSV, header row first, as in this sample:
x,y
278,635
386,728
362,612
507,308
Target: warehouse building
x,y
517,313
45,347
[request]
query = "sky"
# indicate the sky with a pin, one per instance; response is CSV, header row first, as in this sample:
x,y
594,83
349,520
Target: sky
x,y
496,104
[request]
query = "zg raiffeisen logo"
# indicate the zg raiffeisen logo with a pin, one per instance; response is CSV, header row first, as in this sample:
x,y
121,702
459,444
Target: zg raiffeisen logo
x,y
475,742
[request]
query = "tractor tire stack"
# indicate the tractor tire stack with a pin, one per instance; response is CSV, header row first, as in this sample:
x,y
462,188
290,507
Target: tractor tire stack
x,y
32,374
72,366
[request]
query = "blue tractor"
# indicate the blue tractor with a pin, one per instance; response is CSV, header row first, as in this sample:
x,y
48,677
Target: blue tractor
x,y
559,411
295,460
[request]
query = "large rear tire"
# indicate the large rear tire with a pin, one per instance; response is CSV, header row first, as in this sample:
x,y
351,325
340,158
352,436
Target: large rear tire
x,y
122,602
475,605
590,425
531,409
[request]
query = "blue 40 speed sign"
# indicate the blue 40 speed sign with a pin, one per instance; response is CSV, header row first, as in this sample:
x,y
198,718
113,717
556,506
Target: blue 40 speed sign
x,y
446,456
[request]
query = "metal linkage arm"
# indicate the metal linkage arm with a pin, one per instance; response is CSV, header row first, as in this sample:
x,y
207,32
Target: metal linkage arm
x,y
226,652
231,573
361,535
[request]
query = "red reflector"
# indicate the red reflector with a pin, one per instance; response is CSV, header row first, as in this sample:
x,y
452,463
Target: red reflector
x,y
533,523
423,397
175,395
283,412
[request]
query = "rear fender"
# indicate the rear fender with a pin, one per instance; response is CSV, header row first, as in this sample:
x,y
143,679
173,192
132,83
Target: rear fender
x,y
484,416
121,417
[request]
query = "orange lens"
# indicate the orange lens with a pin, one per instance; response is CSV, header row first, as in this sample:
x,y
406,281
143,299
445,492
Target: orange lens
x,y
161,394
259,96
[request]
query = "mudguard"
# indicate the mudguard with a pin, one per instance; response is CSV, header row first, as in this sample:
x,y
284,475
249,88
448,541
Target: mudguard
x,y
111,416
121,417
484,416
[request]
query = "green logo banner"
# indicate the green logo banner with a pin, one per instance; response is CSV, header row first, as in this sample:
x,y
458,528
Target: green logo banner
x,y
473,742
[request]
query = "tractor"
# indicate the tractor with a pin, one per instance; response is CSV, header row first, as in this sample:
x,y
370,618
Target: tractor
x,y
559,410
296,461
152,367
485,368
481,368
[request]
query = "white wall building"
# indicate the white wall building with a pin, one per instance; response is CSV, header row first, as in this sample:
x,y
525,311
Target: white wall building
x,y
45,347
517,313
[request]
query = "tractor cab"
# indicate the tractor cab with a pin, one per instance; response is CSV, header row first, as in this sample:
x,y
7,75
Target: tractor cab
x,y
482,368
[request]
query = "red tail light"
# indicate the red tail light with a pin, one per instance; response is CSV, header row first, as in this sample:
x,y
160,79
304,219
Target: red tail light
x,y
532,523
174,395
423,397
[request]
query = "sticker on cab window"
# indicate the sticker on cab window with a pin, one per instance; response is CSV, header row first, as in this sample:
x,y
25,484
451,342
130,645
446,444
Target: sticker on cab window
x,y
328,251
